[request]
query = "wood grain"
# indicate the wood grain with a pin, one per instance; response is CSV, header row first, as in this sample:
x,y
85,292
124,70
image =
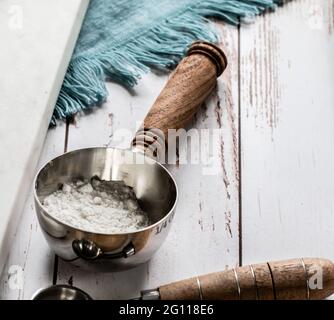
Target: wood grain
x,y
281,280
287,133
189,85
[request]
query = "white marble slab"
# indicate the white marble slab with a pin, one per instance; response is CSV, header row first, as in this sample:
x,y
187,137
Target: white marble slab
x,y
37,39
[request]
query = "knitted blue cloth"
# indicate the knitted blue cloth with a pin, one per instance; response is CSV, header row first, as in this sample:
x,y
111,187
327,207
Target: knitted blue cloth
x,y
121,39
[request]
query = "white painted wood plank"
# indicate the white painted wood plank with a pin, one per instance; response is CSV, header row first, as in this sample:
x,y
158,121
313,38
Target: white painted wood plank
x,y
30,263
204,236
38,38
287,127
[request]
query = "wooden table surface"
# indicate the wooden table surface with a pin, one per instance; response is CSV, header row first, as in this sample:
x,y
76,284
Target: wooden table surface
x,y
273,195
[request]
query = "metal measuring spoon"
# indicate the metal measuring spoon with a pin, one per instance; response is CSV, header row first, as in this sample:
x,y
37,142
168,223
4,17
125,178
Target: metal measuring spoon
x,y
61,292
66,292
282,280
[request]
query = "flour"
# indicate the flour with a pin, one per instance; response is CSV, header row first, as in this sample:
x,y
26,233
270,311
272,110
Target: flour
x,y
97,206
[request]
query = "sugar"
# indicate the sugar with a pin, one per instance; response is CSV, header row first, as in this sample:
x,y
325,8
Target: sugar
x,y
97,206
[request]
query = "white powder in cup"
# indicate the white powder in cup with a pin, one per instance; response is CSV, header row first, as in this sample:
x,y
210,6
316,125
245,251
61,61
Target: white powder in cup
x,y
97,206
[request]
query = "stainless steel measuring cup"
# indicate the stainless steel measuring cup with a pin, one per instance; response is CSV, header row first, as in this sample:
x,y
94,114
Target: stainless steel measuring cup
x,y
156,191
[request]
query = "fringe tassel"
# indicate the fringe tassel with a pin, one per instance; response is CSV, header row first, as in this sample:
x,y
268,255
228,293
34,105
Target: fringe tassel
x,y
160,48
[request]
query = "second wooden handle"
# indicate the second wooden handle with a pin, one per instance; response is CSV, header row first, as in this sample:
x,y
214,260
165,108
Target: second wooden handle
x,y
189,85
298,279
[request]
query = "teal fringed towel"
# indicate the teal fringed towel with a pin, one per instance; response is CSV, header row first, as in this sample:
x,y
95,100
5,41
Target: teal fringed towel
x,y
121,39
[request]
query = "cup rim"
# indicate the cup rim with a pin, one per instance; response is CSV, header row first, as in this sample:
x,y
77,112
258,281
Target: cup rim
x,y
165,217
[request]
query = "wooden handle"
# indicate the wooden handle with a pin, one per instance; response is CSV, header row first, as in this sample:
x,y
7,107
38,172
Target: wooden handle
x,y
189,85
298,279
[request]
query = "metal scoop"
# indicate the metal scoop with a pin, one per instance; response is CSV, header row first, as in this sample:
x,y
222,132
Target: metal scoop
x,y
61,292
282,280
139,168
66,292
